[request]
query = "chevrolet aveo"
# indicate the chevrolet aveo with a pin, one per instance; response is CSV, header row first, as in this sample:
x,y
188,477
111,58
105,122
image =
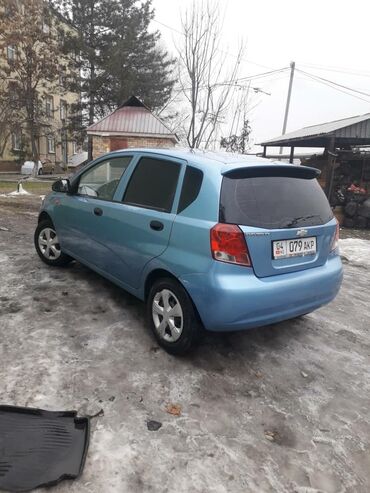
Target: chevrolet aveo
x,y
224,242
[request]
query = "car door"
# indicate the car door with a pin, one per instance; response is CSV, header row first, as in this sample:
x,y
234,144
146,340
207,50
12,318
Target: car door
x,y
78,215
136,227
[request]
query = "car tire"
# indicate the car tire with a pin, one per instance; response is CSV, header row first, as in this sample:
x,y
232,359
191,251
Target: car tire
x,y
176,334
47,245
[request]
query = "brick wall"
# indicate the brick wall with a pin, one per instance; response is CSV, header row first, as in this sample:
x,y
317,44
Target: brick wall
x,y
149,142
102,145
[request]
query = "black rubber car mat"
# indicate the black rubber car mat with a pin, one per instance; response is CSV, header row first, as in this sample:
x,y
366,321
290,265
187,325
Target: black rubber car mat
x,y
40,448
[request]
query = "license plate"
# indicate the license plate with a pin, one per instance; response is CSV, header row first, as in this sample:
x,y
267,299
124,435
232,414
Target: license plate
x,y
294,248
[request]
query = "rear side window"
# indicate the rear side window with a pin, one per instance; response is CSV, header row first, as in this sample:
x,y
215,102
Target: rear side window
x,y
273,202
191,187
153,184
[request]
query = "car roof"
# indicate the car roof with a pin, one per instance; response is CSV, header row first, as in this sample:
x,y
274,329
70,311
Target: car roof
x,y
206,159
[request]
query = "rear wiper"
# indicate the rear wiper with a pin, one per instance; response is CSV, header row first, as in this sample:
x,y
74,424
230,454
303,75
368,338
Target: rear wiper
x,y
294,221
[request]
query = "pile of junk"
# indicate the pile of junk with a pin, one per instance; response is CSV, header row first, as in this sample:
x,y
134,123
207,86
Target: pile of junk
x,y
350,189
352,205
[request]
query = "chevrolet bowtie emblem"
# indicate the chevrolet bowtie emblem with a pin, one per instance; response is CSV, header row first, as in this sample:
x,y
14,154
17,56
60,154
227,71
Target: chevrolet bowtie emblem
x,y
302,232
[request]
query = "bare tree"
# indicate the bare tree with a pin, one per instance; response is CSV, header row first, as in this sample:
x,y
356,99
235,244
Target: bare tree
x,y
204,81
33,62
9,116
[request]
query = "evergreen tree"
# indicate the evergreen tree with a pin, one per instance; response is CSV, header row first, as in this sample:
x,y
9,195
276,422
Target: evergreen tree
x,y
117,55
133,61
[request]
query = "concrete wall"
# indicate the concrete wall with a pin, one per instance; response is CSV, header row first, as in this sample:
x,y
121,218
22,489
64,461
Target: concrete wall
x,y
102,145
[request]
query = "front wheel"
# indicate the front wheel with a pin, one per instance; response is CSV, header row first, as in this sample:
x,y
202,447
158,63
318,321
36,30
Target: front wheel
x,y
47,245
172,316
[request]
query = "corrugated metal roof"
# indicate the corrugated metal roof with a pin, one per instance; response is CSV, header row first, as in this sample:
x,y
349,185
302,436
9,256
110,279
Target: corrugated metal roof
x,y
339,128
132,120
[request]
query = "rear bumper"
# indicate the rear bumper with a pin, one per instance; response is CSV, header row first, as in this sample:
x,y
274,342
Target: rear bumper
x,y
230,297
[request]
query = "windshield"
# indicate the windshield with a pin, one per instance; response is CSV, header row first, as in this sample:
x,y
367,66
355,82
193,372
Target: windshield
x,y
273,202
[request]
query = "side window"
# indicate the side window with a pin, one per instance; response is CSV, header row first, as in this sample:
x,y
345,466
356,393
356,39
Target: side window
x,y
102,180
191,187
153,184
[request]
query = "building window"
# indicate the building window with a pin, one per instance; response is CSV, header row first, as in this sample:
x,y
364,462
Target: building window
x,y
13,92
51,144
74,147
11,53
16,140
45,26
62,80
49,107
46,22
63,110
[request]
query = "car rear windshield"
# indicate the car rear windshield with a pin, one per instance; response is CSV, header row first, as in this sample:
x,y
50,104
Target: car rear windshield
x,y
273,202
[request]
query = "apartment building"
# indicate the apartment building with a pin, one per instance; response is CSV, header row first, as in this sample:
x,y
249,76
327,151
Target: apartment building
x,y
55,142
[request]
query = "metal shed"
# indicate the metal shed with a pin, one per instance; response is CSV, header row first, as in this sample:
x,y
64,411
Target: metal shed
x,y
348,131
339,134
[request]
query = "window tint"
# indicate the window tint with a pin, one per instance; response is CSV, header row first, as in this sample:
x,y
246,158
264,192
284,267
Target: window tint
x,y
102,180
153,184
273,202
190,189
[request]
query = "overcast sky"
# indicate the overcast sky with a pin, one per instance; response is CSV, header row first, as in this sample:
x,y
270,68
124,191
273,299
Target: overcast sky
x,y
330,34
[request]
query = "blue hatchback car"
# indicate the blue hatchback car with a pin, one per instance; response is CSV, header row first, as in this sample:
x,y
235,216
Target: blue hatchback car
x,y
213,240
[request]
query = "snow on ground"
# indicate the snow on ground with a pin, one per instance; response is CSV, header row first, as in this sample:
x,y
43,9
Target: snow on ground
x,y
356,251
279,409
20,191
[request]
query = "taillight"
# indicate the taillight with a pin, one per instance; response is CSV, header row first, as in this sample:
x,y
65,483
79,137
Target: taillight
x,y
335,241
228,244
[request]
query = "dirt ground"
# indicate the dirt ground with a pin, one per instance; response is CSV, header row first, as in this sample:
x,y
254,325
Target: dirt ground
x,y
284,408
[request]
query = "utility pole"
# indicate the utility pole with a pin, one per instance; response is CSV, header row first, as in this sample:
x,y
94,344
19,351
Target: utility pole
x,y
292,67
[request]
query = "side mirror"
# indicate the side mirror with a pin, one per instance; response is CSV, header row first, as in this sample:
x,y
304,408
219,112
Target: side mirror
x,y
63,185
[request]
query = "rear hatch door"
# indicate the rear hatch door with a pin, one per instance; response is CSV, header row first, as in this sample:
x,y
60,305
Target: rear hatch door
x,y
284,214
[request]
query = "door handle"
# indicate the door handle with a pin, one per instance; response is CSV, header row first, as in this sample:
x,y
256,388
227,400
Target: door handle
x,y
98,211
156,225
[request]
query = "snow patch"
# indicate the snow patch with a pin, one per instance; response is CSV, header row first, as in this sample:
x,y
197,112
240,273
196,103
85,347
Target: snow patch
x,y
21,191
356,251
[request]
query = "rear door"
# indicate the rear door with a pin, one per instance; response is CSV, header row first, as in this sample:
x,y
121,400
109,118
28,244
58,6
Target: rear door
x,y
284,214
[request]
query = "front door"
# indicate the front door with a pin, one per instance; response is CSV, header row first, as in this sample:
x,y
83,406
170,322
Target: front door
x,y
78,216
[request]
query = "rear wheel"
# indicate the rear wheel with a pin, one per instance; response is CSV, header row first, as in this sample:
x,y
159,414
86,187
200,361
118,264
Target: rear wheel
x,y
172,317
47,245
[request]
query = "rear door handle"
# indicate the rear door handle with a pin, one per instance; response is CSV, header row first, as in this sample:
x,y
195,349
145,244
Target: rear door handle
x,y
98,211
156,225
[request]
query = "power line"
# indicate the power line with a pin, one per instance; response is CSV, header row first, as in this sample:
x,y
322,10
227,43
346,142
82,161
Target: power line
x,y
235,83
340,70
333,87
263,74
335,83
242,79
